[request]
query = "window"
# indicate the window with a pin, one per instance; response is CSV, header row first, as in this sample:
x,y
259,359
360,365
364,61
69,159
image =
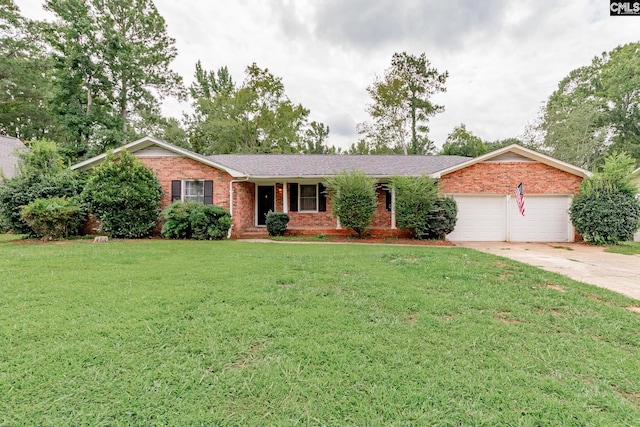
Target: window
x,y
308,197
193,191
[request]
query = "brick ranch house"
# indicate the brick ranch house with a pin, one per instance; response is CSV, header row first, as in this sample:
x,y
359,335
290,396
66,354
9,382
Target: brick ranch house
x,y
250,185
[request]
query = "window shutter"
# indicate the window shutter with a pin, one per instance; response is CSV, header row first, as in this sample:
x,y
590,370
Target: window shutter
x,y
387,193
208,192
293,197
176,190
322,198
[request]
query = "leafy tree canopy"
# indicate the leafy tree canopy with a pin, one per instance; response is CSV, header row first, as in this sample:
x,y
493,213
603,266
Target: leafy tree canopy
x,y
462,142
401,106
254,117
596,109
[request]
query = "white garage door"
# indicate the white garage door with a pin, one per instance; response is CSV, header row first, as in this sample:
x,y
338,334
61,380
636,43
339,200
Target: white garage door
x,y
496,219
480,219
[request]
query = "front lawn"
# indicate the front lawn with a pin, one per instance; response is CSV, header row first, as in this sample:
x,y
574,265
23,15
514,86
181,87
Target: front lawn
x,y
234,333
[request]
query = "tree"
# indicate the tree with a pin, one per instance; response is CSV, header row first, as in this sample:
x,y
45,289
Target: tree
x,y
112,67
353,199
415,196
256,117
314,140
596,109
401,105
606,210
24,79
124,195
461,142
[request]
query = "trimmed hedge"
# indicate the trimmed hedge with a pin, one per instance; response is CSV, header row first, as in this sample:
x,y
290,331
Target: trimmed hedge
x,y
193,220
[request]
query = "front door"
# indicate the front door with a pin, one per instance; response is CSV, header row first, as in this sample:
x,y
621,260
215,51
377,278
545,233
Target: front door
x,y
265,202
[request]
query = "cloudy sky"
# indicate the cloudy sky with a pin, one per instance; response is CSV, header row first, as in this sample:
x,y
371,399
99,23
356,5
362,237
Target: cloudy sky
x,y
504,57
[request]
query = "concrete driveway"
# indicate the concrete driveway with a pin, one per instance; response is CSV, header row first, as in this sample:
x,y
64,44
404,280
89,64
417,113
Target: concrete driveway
x,y
588,264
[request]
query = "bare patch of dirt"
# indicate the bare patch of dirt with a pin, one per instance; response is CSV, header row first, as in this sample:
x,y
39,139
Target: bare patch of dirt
x,y
594,298
413,318
633,308
556,287
504,316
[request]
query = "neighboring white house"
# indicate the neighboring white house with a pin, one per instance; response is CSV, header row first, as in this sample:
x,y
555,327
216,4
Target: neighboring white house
x,y
9,148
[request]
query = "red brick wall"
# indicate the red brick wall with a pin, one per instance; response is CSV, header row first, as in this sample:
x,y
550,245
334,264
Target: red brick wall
x,y
382,217
173,168
503,177
308,219
244,197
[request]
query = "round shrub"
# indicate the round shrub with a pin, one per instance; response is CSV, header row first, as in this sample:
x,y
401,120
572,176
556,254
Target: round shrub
x,y
277,223
210,222
177,220
53,218
441,219
415,197
124,195
353,199
606,215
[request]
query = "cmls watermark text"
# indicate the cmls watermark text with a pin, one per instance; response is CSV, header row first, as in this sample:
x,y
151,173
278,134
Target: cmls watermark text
x,y
624,8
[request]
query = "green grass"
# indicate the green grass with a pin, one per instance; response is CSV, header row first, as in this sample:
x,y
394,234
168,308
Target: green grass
x,y
625,248
234,333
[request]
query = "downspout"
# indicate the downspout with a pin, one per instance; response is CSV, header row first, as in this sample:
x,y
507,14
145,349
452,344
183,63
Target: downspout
x,y
231,201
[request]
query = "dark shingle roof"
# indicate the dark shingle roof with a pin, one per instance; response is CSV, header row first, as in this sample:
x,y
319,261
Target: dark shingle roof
x,y
318,165
9,148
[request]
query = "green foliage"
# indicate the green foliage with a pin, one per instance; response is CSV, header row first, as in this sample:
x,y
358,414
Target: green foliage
x,y
277,223
441,219
210,222
124,195
353,199
53,218
401,106
255,117
606,210
605,215
415,196
42,176
596,109
193,220
461,142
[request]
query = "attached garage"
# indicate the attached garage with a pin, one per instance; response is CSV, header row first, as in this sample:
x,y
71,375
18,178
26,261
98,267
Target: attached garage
x,y
497,219
484,188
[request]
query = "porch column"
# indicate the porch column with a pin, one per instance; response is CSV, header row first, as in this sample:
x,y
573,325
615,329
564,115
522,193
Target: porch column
x,y
393,208
285,198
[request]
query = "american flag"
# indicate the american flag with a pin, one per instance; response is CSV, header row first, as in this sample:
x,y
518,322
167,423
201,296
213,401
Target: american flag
x,y
520,198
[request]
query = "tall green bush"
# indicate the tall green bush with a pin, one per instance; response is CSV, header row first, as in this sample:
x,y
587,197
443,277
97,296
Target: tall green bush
x,y
441,219
606,210
53,218
124,195
415,197
42,175
353,199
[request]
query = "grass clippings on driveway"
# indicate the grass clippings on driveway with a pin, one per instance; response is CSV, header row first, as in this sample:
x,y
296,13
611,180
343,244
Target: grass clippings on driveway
x,y
231,333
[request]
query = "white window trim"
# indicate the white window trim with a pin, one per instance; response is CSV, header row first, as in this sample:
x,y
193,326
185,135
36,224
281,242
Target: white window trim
x,y
300,198
184,189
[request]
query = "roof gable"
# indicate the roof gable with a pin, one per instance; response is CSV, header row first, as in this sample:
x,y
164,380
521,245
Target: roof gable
x,y
515,153
149,146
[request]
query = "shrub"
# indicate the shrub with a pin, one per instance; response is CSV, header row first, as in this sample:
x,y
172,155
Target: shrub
x,y
177,220
42,176
210,222
606,211
353,199
441,219
124,195
53,218
193,220
277,223
605,216
414,198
